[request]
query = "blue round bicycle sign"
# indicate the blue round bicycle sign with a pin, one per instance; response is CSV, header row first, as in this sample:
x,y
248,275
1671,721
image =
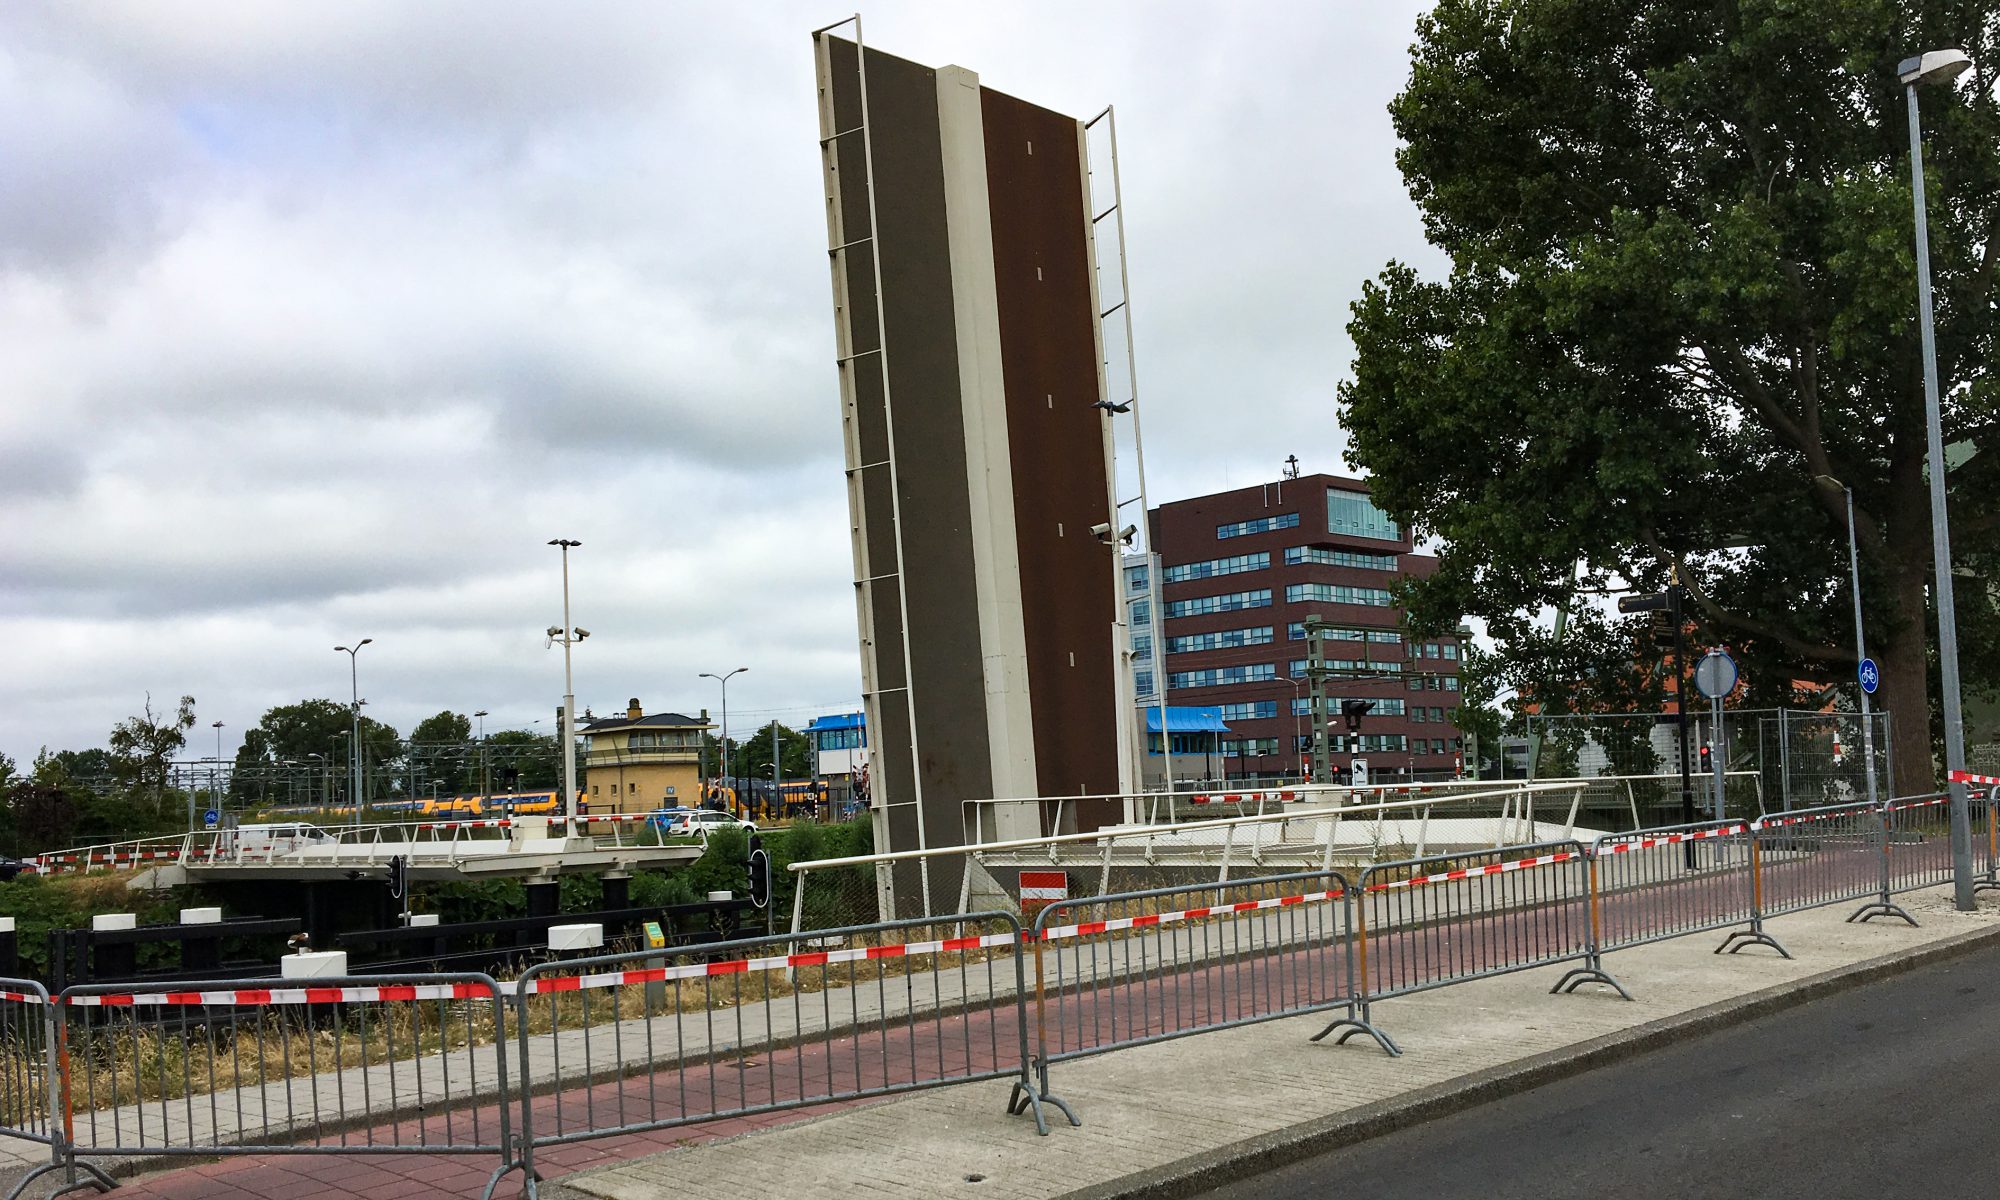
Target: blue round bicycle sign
x,y
1870,675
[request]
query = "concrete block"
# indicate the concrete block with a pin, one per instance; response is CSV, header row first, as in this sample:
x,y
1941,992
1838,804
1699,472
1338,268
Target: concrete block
x,y
6,924
201,916
576,937
103,921
317,964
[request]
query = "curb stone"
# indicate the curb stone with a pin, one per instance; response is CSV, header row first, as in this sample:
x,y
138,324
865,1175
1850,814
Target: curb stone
x,y
1201,1173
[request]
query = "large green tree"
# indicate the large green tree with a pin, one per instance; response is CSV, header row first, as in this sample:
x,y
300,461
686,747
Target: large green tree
x,y
142,747
1681,305
287,737
444,754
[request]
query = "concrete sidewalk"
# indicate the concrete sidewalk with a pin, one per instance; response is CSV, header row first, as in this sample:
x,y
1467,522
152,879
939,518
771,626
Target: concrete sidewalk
x,y
1172,1118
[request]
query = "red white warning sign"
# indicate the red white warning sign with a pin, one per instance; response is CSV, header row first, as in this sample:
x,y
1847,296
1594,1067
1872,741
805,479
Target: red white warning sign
x,y
1039,888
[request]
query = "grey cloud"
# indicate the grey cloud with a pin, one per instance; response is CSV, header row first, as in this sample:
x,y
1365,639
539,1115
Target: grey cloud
x,y
320,321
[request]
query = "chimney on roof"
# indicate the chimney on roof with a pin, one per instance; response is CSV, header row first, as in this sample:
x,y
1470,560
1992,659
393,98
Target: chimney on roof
x,y
632,710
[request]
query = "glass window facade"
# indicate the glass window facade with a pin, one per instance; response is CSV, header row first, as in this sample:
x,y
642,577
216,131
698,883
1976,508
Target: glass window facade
x,y
1297,555
1296,631
1222,676
1336,593
1234,565
1225,639
1255,710
1253,747
1260,525
1231,602
1302,706
1353,514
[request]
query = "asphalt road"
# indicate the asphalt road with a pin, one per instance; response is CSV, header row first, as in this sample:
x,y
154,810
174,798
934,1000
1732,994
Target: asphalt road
x,y
1882,1092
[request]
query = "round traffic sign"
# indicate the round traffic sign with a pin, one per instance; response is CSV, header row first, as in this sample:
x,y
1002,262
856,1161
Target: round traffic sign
x,y
1715,674
211,818
1870,675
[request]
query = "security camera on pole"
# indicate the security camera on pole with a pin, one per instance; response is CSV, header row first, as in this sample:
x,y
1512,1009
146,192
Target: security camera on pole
x,y
568,635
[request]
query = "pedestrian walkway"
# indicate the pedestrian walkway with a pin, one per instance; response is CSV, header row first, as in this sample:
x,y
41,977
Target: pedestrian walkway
x,y
1144,1108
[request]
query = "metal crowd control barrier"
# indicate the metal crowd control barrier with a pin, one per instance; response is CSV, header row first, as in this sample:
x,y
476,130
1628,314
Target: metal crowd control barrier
x,y
411,1065
1809,857
1986,837
1427,922
660,1038
1146,966
30,1079
1916,844
1655,884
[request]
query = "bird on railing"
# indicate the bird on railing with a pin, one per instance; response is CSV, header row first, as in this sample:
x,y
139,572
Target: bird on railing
x,y
299,943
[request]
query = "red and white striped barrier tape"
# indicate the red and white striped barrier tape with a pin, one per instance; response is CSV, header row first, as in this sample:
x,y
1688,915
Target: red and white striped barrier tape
x,y
1518,864
1780,822
1899,807
1241,797
1085,928
777,962
1969,777
22,998
259,997
1672,839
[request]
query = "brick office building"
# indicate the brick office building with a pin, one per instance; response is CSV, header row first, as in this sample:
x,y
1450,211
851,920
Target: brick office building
x,y
1238,573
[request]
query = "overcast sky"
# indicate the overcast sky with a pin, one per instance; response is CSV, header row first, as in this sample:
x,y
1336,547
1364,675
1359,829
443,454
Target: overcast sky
x,y
319,321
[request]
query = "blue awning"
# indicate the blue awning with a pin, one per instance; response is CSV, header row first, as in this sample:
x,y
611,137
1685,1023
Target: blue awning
x,y
840,721
1187,720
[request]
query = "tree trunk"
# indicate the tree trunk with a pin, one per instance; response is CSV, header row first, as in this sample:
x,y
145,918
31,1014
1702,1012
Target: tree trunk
x,y
1902,630
1906,689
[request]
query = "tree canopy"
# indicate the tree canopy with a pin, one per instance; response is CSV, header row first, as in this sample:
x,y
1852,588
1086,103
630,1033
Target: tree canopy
x,y
1680,314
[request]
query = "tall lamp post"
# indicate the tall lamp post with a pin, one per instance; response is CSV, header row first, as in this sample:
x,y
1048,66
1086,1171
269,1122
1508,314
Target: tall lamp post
x,y
569,636
484,788
1939,67
723,679
1860,639
214,789
1298,722
354,706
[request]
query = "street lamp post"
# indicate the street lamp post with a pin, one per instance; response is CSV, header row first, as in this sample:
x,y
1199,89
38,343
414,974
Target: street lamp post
x,y
1860,640
354,705
213,795
1298,722
1939,67
569,636
484,786
723,679
326,798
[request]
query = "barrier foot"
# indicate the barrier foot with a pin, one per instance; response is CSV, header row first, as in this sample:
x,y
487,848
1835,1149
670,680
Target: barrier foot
x,y
1986,885
1741,938
1028,1098
1879,908
528,1181
99,1180
1358,1023
1578,976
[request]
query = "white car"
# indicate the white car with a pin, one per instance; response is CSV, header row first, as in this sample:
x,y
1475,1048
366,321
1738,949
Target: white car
x,y
702,822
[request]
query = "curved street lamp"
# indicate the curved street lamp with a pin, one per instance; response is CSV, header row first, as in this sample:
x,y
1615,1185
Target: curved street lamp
x,y
354,706
723,679
1939,67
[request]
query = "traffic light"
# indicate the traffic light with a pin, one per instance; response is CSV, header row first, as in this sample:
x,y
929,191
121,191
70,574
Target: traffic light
x,y
1707,760
1352,711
